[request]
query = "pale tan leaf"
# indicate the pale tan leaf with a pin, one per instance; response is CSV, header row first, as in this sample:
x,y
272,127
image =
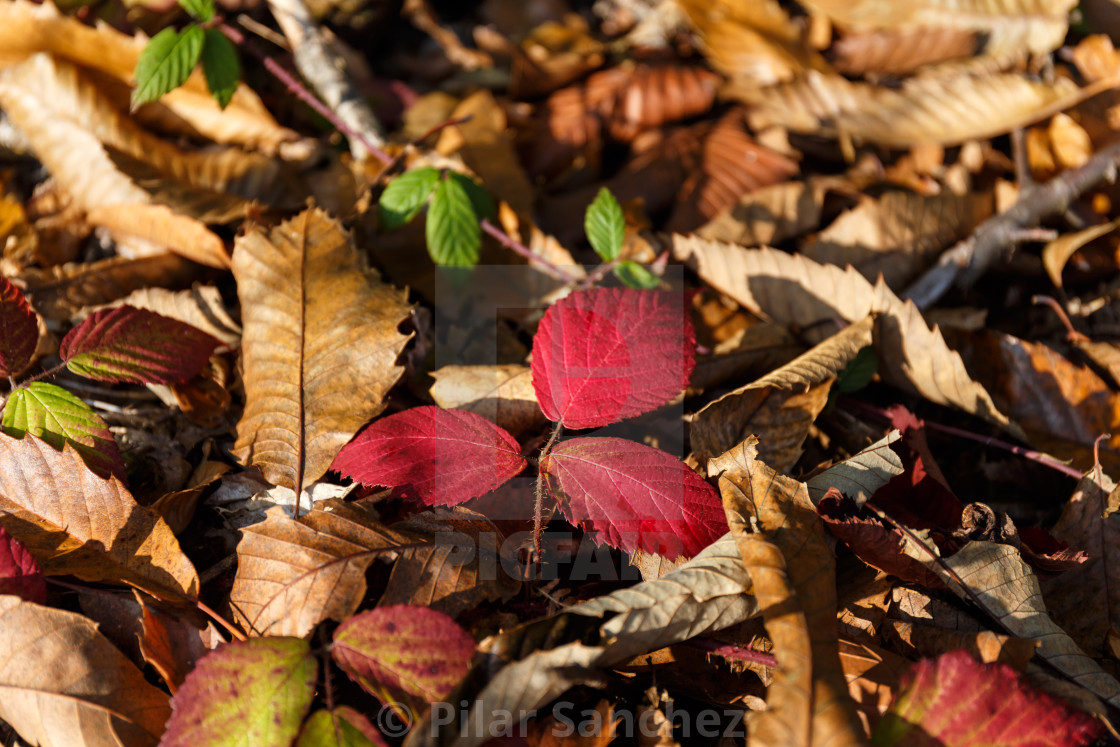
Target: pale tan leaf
x,y
80,524
294,573
546,657
769,215
65,685
858,477
946,109
758,350
201,307
901,50
781,405
27,28
1085,600
501,394
995,577
159,225
319,348
1057,252
794,575
898,234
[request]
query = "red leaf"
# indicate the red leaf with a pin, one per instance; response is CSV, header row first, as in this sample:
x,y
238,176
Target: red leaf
x,y
19,329
607,354
20,573
137,346
958,702
444,456
411,649
628,495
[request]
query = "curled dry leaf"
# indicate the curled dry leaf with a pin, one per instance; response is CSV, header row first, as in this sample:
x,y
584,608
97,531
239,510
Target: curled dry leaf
x,y
201,307
294,573
769,215
901,51
794,578
315,372
444,457
66,685
19,329
504,395
1059,251
80,524
782,404
546,657
861,475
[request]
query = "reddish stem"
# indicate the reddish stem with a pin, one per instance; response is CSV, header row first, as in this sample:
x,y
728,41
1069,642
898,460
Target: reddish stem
x,y
511,243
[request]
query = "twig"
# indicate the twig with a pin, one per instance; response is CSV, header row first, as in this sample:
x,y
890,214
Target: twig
x,y
967,260
424,18
510,243
1072,335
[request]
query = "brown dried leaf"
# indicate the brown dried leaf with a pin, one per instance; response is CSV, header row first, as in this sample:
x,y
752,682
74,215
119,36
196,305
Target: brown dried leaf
x,y
781,405
652,95
158,225
171,645
899,51
873,675
917,641
319,348
946,109
792,569
769,215
66,686
294,573
501,394
1059,251
80,524
859,476
758,350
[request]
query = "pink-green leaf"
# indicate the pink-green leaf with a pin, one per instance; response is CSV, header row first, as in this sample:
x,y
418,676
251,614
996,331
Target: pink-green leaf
x,y
58,417
407,649
127,344
342,727
631,496
955,701
255,691
19,329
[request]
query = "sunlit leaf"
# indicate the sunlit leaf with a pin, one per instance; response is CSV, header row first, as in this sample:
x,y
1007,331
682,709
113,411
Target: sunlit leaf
x,y
166,63
605,225
405,196
634,275
201,10
452,229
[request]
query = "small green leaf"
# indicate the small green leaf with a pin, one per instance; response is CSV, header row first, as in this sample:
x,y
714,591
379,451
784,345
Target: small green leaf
x,y
453,233
166,63
635,275
58,417
605,225
220,66
859,371
200,10
481,200
405,196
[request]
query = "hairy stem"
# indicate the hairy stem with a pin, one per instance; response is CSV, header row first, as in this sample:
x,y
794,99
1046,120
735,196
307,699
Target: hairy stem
x,y
538,504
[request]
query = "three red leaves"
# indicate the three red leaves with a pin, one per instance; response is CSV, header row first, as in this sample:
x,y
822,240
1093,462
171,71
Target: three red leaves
x,y
599,356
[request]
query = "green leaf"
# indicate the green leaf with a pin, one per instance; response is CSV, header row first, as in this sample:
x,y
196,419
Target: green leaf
x,y
454,236
166,63
481,200
405,196
220,66
859,371
635,275
58,417
605,225
200,10
333,729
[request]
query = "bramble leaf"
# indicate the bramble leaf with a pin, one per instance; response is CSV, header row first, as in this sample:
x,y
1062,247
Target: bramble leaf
x,y
19,330
605,225
200,10
630,496
634,275
444,456
20,574
607,354
220,66
452,230
480,198
405,196
342,727
58,417
258,689
166,63
138,346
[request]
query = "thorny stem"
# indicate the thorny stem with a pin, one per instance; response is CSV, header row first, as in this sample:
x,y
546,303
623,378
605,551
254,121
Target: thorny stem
x,y
40,376
1071,334
538,504
511,243
300,91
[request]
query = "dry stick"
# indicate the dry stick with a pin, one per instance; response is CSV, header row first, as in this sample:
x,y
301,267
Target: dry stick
x,y
966,261
1072,335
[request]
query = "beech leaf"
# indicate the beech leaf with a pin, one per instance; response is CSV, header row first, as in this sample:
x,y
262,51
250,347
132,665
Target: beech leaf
x,y
20,574
630,496
166,63
319,349
452,230
136,346
58,417
605,225
66,685
259,690
607,354
955,701
407,649
19,329
80,524
444,456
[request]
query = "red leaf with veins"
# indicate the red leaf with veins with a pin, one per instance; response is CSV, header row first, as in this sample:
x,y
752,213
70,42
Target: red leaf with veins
x,y
607,354
957,702
127,344
20,573
444,456
19,330
628,495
